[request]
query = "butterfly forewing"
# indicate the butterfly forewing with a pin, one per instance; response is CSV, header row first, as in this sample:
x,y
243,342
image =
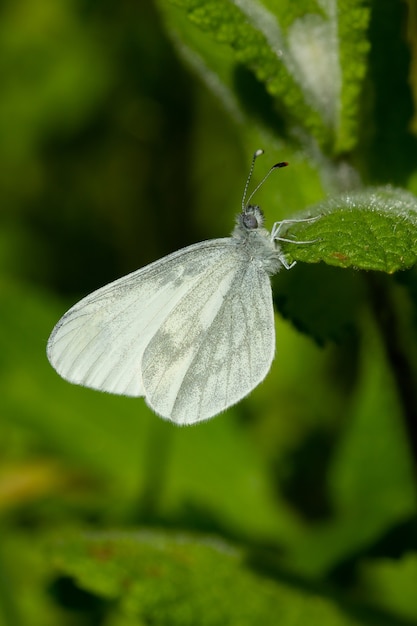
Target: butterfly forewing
x,y
100,341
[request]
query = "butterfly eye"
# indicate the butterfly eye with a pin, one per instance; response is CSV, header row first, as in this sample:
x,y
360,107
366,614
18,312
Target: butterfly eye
x,y
249,220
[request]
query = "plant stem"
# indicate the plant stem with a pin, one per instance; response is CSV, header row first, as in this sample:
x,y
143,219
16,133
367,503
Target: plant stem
x,y
155,468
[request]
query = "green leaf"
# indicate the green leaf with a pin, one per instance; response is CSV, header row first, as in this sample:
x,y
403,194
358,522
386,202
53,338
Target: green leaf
x,y
184,580
375,229
311,60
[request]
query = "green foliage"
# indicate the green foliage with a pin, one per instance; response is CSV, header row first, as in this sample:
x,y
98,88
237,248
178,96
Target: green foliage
x,y
127,132
199,581
298,55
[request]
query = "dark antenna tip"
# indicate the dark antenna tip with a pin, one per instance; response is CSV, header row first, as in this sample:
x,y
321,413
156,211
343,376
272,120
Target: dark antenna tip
x,y
281,164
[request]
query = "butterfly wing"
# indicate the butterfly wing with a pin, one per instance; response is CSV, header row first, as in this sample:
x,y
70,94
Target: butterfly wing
x,y
192,332
100,341
215,346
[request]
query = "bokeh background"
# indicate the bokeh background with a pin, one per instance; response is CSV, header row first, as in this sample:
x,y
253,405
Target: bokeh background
x,y
126,132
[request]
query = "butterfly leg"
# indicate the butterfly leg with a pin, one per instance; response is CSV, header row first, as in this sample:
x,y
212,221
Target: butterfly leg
x,y
275,236
285,263
278,226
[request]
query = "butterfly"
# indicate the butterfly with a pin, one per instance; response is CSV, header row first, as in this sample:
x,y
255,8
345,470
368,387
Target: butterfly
x,y
193,333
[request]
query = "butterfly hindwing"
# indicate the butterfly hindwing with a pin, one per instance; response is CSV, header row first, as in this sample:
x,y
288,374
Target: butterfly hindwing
x,y
215,346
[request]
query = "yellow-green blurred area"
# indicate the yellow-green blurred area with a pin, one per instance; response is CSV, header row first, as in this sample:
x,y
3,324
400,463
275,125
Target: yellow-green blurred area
x,y
126,132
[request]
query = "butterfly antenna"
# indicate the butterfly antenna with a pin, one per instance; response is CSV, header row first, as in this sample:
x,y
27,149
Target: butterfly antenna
x,y
245,191
267,175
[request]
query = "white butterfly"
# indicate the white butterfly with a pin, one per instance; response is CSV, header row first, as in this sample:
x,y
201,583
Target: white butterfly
x,y
193,332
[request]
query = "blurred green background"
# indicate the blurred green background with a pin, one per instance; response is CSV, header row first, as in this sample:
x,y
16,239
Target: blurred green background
x,y
126,132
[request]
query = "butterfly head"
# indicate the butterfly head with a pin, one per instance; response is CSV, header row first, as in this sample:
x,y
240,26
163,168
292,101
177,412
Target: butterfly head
x,y
252,217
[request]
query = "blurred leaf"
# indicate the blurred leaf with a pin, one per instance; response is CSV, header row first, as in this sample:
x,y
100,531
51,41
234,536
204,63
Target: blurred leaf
x,y
375,229
24,580
180,579
371,478
391,584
